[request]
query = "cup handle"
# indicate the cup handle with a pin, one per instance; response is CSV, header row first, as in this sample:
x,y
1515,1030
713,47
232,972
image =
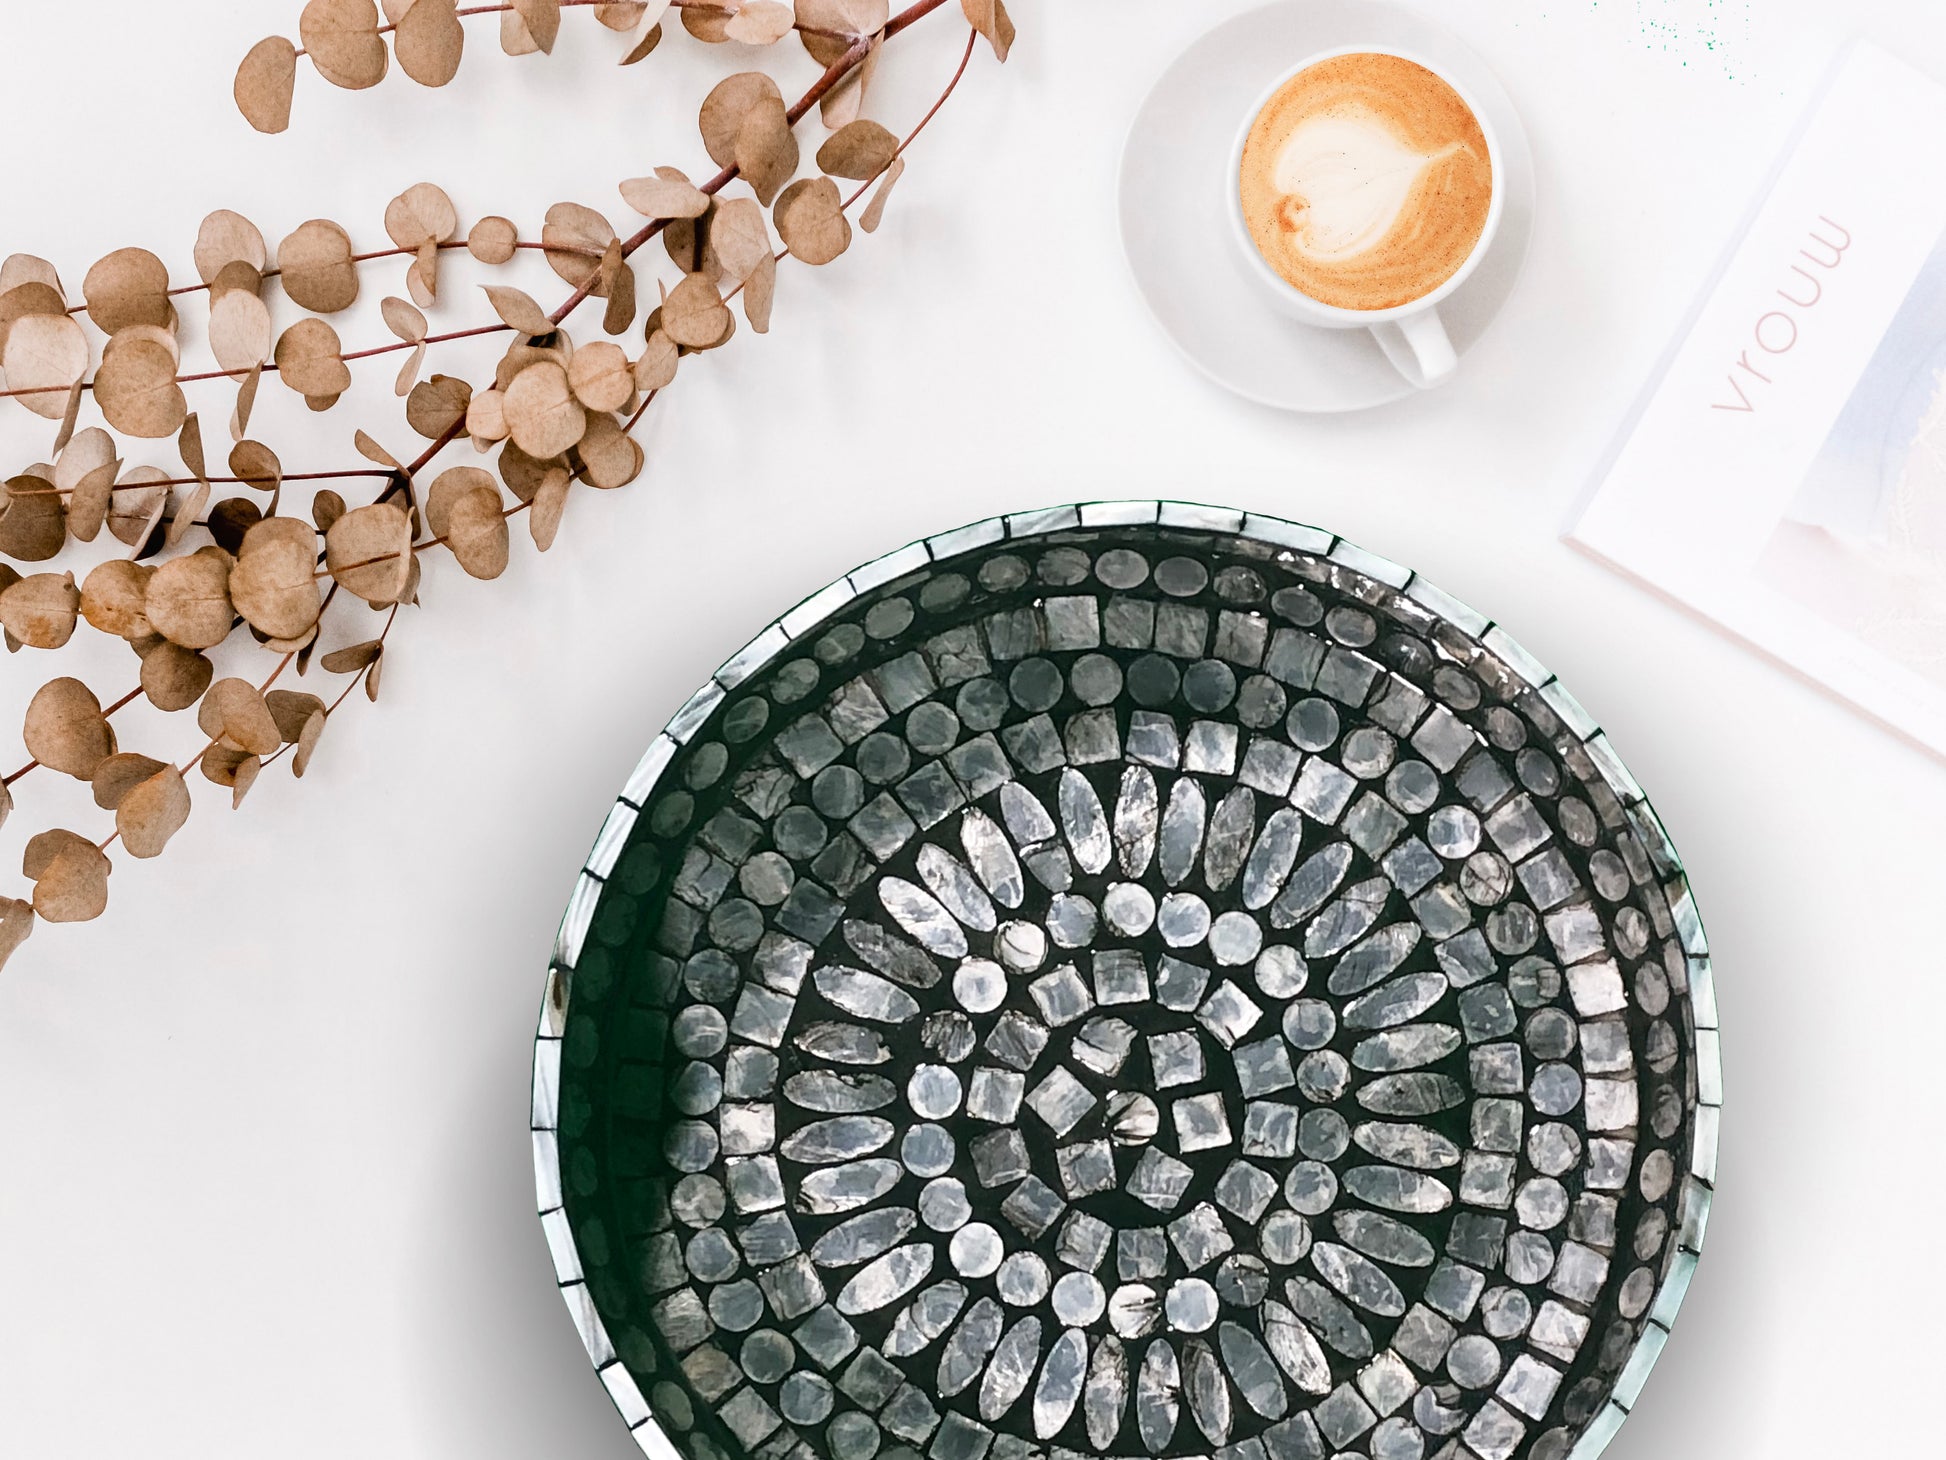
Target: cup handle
x,y
1420,347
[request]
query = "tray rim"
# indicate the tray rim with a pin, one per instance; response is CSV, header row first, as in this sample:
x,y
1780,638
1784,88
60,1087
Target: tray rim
x,y
810,613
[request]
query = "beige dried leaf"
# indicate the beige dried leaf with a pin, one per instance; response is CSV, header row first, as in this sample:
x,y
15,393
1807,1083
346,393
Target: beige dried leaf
x,y
133,505
572,226
151,535
88,503
645,47
990,19
31,297
33,522
544,518
609,457
147,334
542,414
621,14
760,23
239,331
874,213
310,359
477,532
447,487
724,109
543,20
657,367
517,310
620,284
44,847
521,473
859,150
694,313
188,601
65,729
341,38
811,219
273,584
119,774
486,416
113,596
229,520
234,714
759,292
46,354
422,275
846,17
437,405
403,318
845,102
16,925
843,20
492,240
70,877
228,238
26,268
307,743
237,275
421,213
408,375
708,24
256,464
220,764
600,377
514,37
292,710
429,39
69,415
189,446
264,83
173,677
137,392
243,779
40,610
316,267
84,452
351,658
666,195
373,452
152,811
369,552
741,237
246,402
185,514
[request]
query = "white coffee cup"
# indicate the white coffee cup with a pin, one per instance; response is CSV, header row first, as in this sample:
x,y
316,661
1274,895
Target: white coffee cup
x,y
1411,334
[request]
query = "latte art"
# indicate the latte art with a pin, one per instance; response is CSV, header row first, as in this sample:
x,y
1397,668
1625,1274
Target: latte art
x,y
1366,182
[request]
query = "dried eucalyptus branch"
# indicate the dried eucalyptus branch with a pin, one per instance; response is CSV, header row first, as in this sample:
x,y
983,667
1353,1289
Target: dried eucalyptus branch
x,y
345,39
556,415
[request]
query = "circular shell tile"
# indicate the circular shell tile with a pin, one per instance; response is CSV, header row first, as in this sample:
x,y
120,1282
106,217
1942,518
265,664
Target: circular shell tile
x,y
1133,988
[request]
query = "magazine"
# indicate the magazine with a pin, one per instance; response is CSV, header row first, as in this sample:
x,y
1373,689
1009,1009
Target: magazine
x,y
1785,475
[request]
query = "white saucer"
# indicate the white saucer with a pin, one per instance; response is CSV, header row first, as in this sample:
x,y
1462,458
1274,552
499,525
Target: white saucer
x,y
1185,258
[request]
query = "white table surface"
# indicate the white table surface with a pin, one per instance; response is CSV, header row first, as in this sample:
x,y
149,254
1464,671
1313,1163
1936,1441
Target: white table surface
x,y
266,1173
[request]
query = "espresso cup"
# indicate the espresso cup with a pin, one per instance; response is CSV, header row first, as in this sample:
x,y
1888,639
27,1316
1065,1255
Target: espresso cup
x,y
1408,329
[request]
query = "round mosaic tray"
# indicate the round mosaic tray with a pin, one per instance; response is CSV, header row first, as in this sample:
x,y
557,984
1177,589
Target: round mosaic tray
x,y
1135,980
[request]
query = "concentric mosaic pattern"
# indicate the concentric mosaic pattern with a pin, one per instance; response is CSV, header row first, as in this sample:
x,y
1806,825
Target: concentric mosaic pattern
x,y
1131,990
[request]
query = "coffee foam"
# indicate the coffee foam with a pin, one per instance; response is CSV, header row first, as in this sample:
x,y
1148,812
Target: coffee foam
x,y
1366,182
